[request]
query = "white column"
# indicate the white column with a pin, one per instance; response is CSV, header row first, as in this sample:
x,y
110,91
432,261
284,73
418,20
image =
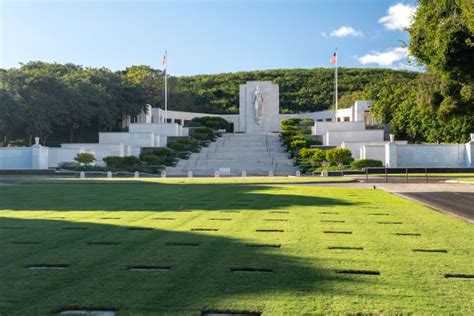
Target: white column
x,y
391,153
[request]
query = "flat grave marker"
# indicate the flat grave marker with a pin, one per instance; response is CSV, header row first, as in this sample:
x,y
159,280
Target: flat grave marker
x,y
147,268
250,270
47,266
360,272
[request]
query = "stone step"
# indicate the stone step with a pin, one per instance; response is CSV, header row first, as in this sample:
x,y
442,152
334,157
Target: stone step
x,y
256,154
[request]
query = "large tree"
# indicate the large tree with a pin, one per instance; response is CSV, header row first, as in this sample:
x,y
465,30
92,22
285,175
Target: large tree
x,y
442,38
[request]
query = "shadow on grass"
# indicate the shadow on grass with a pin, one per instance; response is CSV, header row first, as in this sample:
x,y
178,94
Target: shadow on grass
x,y
199,278
140,196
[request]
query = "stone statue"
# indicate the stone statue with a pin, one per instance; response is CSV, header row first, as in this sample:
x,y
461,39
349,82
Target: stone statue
x,y
258,104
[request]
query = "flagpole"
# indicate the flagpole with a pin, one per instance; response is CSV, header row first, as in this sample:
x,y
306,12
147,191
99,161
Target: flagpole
x,y
166,86
335,114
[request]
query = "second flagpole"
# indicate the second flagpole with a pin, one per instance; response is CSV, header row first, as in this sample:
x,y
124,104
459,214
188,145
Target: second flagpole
x,y
337,57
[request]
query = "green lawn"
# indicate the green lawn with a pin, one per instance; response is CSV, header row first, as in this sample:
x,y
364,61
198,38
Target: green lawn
x,y
86,225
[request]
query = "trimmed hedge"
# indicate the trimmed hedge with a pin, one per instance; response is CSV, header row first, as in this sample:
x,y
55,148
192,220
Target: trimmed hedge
x,y
366,163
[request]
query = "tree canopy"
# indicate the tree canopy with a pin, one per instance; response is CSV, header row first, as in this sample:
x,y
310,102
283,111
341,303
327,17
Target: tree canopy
x,y
70,103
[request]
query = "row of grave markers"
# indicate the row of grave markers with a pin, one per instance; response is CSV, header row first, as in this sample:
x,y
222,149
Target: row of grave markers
x,y
217,174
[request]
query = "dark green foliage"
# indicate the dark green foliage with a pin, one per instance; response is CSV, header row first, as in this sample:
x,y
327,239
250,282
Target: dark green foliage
x,y
74,166
184,144
366,163
84,158
62,101
113,161
213,122
202,133
130,161
17,143
151,160
301,90
306,122
161,152
442,38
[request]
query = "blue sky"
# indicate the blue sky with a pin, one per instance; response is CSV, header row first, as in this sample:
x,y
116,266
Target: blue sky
x,y
205,37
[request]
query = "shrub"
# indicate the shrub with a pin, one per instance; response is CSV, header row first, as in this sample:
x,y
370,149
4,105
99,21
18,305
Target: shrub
x,y
151,160
319,156
130,161
307,153
17,143
202,136
213,122
204,130
288,128
306,122
113,161
161,151
305,131
203,133
337,156
297,144
68,165
366,163
291,121
312,141
85,158
184,144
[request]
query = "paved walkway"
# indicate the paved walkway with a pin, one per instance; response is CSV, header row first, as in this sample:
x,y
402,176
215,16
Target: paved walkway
x,y
456,199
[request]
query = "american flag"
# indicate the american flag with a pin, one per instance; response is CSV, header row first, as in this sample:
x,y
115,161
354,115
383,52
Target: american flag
x,y
333,59
165,61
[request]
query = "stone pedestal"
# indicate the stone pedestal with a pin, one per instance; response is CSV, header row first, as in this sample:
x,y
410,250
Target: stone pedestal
x,y
269,121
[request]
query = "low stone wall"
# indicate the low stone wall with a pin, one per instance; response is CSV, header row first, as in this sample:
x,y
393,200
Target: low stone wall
x,y
429,155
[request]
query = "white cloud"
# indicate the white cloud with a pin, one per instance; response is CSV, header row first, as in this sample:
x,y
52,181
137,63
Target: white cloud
x,y
385,59
400,16
323,34
345,31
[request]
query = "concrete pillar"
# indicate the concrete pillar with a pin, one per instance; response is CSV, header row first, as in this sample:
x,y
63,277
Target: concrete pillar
x,y
470,152
109,174
136,174
190,174
391,155
39,157
244,173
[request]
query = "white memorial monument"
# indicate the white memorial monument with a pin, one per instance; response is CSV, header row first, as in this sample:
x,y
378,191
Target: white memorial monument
x,y
259,107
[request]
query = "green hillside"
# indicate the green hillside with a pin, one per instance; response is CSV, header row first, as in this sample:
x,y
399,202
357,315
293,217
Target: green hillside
x,y
301,90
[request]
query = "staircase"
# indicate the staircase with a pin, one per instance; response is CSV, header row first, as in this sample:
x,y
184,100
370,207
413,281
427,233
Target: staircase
x,y
257,154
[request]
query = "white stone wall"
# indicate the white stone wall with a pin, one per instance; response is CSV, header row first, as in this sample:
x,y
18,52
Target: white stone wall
x,y
57,155
336,138
320,128
130,139
163,129
376,152
180,116
101,150
427,155
20,158
13,158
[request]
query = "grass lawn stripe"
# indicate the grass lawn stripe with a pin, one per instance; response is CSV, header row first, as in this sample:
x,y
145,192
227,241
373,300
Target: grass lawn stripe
x,y
303,278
